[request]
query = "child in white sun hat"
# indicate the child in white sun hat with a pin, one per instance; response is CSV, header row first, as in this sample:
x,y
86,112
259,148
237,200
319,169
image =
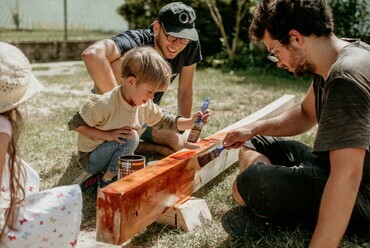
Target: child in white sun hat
x,y
28,217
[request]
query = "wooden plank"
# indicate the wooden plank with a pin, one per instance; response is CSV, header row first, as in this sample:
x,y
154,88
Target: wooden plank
x,y
127,206
229,157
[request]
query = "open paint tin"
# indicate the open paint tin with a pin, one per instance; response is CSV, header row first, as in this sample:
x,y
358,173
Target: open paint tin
x,y
129,164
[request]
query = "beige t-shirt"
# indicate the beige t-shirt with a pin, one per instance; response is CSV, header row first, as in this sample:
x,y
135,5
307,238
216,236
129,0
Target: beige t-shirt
x,y
110,111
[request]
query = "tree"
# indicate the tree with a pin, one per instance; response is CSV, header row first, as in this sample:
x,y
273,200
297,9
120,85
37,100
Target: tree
x,y
223,24
242,9
351,18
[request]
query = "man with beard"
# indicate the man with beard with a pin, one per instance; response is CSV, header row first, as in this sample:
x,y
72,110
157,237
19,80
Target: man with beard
x,y
326,187
174,36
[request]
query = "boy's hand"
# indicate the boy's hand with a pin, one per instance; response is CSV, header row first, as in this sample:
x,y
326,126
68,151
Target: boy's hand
x,y
124,132
188,123
204,116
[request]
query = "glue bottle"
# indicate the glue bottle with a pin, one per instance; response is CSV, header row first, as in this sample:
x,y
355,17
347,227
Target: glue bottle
x,y
198,124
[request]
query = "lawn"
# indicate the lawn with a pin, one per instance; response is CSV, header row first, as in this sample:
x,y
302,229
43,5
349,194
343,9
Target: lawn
x,y
51,149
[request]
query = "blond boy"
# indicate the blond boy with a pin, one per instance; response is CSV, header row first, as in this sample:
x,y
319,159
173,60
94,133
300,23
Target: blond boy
x,y
110,125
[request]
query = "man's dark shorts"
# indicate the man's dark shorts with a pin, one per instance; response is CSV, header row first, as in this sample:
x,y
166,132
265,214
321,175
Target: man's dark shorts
x,y
288,191
147,136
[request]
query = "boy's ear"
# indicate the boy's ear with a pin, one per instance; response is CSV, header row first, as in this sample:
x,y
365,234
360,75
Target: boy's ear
x,y
130,80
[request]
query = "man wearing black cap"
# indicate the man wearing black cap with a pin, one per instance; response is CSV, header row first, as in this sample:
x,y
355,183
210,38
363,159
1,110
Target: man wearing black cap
x,y
174,36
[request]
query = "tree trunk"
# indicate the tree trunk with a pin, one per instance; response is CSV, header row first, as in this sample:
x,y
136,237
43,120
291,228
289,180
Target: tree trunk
x,y
241,11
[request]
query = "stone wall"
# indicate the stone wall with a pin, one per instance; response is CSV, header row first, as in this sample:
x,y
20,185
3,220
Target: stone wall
x,y
47,51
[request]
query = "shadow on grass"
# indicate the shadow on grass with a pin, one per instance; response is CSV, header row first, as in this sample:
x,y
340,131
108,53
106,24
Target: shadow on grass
x,y
89,198
71,172
153,232
289,236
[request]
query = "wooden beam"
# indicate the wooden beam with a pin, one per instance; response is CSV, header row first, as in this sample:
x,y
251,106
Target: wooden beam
x,y
127,206
229,157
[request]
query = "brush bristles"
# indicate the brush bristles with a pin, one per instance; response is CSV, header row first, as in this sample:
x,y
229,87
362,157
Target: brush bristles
x,y
204,159
214,153
207,157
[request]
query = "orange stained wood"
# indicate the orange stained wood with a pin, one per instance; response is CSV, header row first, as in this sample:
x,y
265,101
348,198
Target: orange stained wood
x,y
127,206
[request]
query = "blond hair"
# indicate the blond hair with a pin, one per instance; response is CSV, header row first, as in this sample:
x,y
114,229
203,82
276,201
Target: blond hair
x,y
147,66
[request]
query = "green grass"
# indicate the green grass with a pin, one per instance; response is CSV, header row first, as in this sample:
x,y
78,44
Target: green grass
x,y
52,35
51,149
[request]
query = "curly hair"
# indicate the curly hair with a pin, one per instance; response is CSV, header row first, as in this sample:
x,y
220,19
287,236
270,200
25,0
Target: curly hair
x,y
278,17
16,171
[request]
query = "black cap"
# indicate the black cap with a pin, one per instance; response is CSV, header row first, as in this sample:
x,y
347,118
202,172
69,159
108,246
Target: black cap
x,y
178,20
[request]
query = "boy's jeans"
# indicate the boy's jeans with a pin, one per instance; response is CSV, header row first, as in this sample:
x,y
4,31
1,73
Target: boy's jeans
x,y
105,156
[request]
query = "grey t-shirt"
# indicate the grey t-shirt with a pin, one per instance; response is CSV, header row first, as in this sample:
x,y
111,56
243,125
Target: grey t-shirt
x,y
343,104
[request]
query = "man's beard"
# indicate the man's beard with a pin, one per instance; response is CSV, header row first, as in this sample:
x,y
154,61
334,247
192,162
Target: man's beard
x,y
300,64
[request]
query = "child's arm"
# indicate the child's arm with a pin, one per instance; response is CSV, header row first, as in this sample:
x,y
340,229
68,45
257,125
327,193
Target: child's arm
x,y
92,132
179,123
79,125
109,135
188,123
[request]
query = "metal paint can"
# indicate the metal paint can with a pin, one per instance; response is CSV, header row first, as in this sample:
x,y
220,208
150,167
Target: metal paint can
x,y
129,164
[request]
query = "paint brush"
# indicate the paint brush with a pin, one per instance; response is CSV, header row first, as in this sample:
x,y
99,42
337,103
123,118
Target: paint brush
x,y
198,124
209,156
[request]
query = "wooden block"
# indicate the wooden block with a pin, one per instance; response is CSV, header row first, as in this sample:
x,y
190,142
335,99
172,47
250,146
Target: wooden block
x,y
127,206
187,216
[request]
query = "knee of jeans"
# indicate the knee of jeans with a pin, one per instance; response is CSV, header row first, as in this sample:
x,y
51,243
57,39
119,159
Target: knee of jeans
x,y
92,169
134,142
137,136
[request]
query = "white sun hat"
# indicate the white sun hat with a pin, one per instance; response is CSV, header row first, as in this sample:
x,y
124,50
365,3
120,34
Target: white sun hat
x,y
17,83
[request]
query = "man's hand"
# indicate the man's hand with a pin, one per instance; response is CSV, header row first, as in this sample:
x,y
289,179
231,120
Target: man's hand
x,y
235,138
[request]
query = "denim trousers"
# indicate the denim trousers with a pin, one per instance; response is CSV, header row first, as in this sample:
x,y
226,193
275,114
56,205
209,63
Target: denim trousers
x,y
105,156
